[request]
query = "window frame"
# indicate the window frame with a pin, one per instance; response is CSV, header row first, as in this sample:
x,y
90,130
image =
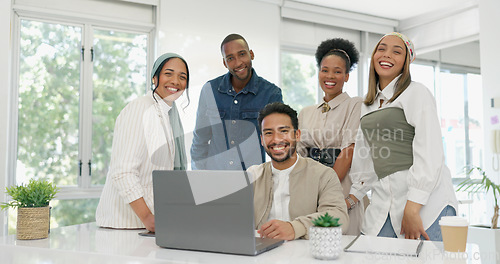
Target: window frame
x,y
439,68
84,189
307,51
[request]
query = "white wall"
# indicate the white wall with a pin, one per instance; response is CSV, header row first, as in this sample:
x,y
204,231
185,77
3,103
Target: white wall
x,y
490,68
4,102
308,35
465,54
444,28
195,29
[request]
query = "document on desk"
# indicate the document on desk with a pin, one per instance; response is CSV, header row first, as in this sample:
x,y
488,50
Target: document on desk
x,y
385,246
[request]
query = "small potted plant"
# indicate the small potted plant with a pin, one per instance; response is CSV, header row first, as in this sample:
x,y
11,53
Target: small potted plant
x,y
324,237
482,185
32,203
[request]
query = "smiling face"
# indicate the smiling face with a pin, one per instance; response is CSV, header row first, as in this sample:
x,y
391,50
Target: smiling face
x,y
237,58
389,59
279,140
332,75
172,81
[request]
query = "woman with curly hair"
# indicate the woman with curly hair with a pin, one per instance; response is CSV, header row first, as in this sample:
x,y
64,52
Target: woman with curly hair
x,y
329,128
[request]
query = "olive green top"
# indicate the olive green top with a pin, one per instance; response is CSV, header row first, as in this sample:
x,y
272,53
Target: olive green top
x,y
390,138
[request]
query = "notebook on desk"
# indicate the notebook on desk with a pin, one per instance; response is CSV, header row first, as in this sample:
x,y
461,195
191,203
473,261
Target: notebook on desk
x,y
206,211
385,246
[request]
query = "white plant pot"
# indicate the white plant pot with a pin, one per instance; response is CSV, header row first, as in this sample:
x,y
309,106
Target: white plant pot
x,y
324,242
488,241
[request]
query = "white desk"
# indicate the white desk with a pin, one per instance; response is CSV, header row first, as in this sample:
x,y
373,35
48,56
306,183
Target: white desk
x,y
87,243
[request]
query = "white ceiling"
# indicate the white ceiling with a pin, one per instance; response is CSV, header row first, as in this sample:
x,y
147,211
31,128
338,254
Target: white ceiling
x,y
392,9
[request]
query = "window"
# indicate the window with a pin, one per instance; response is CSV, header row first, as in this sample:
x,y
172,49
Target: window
x,y
351,86
459,110
49,94
299,79
458,93
119,76
461,120
74,78
52,102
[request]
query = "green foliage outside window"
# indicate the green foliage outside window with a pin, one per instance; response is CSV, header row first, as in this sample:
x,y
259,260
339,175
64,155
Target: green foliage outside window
x,y
49,81
50,105
298,80
119,77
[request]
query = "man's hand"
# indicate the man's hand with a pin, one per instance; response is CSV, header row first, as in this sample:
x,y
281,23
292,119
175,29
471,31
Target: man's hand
x,y
277,229
412,225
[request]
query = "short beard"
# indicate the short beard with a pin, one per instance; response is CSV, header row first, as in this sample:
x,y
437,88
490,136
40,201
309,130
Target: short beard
x,y
286,157
241,79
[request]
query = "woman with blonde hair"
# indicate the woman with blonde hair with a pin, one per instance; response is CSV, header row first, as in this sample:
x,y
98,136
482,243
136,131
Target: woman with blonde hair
x,y
399,152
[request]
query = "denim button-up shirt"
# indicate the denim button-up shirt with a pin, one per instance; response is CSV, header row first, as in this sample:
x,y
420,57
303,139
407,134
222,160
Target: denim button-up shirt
x,y
227,135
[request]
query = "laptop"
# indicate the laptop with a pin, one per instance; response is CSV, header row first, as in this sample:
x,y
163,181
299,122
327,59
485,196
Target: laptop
x,y
206,211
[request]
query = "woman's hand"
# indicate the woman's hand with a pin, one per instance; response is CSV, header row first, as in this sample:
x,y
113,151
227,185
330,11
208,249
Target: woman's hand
x,y
141,209
149,222
348,203
412,225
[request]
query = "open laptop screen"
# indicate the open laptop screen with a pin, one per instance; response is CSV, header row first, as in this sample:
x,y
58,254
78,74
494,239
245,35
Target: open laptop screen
x,y
204,210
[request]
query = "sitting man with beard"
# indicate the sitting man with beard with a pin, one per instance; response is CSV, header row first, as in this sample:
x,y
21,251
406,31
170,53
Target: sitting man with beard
x,y
290,191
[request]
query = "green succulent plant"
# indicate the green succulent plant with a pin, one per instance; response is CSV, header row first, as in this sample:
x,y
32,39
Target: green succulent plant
x,y
326,220
37,193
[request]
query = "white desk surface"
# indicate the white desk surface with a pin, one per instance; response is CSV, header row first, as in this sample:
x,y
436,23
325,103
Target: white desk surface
x,y
87,243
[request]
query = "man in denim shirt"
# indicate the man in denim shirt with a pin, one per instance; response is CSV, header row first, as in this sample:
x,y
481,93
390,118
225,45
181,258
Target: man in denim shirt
x,y
226,135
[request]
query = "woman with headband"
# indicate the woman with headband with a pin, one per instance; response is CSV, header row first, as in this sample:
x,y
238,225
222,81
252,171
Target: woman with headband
x,y
399,150
148,136
329,128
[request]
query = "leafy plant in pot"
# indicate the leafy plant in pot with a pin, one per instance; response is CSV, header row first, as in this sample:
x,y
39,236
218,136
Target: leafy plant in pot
x,y
33,211
482,185
324,237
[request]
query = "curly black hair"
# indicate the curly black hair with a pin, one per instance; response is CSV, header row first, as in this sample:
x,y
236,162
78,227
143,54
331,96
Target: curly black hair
x,y
338,46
